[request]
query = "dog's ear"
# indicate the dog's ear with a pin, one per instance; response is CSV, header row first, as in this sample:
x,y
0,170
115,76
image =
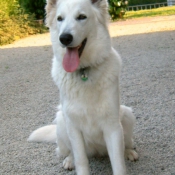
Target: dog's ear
x,y
96,1
50,4
102,12
50,11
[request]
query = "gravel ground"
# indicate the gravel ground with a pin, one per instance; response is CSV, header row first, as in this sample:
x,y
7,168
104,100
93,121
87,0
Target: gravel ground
x,y
28,99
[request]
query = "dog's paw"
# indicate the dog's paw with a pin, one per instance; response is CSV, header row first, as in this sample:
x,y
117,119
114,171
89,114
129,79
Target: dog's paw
x,y
131,155
68,163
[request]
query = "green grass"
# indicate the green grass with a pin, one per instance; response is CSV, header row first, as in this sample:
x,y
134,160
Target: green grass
x,y
162,11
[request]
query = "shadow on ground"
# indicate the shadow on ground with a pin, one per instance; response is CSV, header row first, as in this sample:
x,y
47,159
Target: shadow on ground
x,y
29,98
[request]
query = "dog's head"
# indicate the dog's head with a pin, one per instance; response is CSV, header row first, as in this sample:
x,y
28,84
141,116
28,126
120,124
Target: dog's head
x,y
74,23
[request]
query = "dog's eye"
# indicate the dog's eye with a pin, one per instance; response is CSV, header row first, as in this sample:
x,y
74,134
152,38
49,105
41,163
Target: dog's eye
x,y
81,17
59,18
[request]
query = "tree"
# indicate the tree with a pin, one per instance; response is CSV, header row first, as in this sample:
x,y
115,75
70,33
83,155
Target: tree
x,y
35,7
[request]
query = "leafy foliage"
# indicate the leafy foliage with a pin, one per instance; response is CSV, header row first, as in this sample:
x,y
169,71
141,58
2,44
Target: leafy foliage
x,y
117,8
14,23
35,7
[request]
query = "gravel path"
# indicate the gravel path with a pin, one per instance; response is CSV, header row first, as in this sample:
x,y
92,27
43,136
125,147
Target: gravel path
x,y
28,99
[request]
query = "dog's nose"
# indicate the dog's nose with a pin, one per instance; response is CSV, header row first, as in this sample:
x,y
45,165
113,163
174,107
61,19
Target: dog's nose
x,y
66,39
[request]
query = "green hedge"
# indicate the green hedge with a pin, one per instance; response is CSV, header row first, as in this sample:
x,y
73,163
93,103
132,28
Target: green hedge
x,y
35,7
117,8
14,23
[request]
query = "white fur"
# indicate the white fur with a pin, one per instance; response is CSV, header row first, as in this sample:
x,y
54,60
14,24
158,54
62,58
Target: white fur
x,y
44,134
90,120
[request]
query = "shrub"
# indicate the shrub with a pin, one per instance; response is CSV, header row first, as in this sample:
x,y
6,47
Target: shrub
x,y
117,8
35,7
14,23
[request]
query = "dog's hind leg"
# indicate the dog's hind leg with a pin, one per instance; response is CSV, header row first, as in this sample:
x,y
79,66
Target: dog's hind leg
x,y
128,122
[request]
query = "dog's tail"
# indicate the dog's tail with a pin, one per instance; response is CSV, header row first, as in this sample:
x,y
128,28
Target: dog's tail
x,y
44,134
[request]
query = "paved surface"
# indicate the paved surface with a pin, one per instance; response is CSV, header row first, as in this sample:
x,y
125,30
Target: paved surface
x,y
28,99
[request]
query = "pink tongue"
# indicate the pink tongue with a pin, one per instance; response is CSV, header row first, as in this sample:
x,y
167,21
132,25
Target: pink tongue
x,y
71,60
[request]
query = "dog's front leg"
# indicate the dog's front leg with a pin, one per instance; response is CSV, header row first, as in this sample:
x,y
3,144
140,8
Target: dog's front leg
x,y
113,135
78,149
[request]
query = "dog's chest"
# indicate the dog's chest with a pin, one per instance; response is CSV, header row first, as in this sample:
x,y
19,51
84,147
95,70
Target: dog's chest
x,y
86,104
89,112
72,86
87,98
87,108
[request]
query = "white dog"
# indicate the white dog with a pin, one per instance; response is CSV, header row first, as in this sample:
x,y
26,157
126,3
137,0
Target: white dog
x,y
86,69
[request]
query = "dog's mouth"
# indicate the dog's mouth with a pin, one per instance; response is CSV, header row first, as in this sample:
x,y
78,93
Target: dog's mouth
x,y
72,56
81,47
